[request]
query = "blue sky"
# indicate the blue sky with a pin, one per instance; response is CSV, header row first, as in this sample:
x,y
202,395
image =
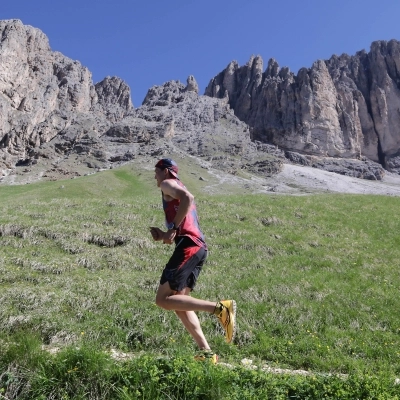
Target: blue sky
x,y
150,42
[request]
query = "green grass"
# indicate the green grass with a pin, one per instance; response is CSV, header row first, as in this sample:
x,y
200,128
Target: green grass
x,y
315,279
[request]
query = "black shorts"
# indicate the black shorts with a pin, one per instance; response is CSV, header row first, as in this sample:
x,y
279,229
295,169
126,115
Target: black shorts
x,y
184,266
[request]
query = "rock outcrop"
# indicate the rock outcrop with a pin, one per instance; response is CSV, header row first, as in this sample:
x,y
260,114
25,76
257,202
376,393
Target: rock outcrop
x,y
345,107
54,120
173,116
44,94
52,114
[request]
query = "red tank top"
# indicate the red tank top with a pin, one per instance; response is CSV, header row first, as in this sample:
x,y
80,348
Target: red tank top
x,y
190,225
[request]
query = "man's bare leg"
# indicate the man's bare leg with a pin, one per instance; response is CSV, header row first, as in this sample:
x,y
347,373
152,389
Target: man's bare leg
x,y
225,310
171,300
188,317
192,324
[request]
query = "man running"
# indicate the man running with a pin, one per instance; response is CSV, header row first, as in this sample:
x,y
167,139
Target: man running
x,y
183,268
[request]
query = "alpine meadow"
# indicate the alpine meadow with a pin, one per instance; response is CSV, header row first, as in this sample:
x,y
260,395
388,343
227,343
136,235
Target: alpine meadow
x,y
315,277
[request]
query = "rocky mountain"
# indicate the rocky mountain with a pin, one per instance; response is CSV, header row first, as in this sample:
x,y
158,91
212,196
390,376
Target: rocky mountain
x,y
55,123
44,94
345,107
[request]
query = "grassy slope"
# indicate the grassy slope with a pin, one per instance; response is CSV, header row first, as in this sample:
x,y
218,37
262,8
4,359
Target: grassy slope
x,y
315,278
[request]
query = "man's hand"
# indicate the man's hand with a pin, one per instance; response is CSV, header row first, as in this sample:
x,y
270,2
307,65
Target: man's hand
x,y
156,233
169,236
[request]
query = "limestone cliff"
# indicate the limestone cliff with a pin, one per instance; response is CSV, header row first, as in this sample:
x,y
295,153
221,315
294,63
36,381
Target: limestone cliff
x,y
54,120
346,107
174,117
43,94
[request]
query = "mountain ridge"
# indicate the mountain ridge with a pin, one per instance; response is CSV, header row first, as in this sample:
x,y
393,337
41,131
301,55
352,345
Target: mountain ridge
x,y
55,123
347,106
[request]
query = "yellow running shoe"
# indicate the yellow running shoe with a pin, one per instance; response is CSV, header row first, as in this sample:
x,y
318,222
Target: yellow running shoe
x,y
206,355
225,311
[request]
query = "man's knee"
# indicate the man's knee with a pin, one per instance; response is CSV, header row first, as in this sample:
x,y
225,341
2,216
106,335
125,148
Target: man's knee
x,y
163,292
161,301
181,314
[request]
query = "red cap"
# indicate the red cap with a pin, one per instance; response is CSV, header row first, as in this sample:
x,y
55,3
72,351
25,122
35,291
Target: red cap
x,y
170,165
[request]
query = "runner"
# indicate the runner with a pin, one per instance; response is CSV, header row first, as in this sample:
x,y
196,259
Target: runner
x,y
183,268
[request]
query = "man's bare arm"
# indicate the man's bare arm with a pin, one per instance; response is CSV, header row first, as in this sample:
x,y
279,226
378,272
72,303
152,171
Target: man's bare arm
x,y
170,188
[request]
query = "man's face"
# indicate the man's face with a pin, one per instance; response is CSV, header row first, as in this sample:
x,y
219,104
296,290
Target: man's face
x,y
159,175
